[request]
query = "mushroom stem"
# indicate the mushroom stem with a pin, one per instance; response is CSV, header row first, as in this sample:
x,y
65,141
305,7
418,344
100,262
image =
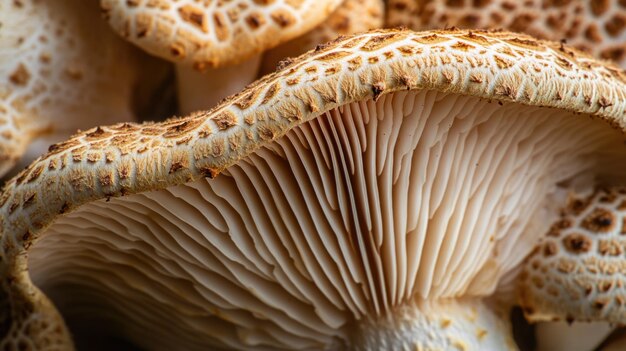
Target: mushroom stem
x,y
465,324
571,337
203,90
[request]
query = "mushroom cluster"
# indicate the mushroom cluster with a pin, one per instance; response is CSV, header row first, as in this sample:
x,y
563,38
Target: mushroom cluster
x,y
218,46
380,192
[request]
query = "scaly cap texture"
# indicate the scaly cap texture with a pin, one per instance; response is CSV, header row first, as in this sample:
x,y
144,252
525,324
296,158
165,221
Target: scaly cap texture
x,y
577,271
214,33
595,26
351,17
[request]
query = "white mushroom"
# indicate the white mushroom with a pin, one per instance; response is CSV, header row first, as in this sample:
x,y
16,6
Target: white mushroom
x,y
373,194
61,69
216,45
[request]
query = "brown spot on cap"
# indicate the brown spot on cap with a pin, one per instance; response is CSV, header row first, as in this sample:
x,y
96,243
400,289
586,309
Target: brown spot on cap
x,y
378,89
177,50
176,166
30,199
380,41
502,62
194,16
255,20
221,29
20,76
577,206
599,304
181,128
598,7
283,18
599,221
605,286
615,25
225,120
615,53
462,46
26,236
577,243
98,133
592,33
550,249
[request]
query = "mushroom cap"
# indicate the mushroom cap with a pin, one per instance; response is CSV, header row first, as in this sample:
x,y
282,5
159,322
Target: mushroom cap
x,y
594,26
213,34
351,17
53,56
457,67
577,270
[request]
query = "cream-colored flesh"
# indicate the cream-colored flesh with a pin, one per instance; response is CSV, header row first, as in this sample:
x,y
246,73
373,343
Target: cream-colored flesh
x,y
420,195
466,324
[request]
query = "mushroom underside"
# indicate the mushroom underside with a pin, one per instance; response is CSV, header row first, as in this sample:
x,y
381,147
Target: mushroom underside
x,y
418,196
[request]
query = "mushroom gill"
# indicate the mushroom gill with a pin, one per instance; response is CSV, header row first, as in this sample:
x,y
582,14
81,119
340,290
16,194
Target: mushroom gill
x,y
378,215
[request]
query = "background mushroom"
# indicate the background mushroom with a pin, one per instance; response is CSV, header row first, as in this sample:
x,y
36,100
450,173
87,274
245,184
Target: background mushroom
x,y
577,272
594,26
371,190
351,17
216,45
61,69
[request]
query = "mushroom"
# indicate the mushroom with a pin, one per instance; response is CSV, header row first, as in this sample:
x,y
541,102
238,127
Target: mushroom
x,y
351,17
577,271
373,193
61,69
216,46
594,26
